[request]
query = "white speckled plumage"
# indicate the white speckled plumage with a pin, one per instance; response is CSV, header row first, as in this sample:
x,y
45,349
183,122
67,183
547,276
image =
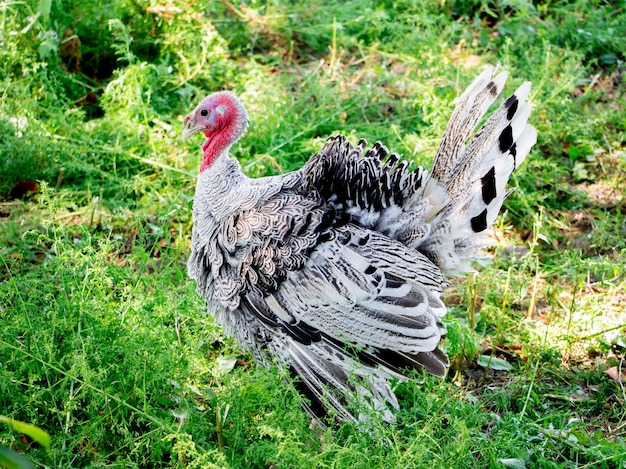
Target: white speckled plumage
x,y
336,270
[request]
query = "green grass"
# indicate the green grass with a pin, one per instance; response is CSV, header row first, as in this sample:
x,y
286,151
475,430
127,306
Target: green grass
x,y
104,342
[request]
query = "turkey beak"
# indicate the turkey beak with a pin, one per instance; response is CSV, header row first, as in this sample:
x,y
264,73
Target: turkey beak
x,y
190,126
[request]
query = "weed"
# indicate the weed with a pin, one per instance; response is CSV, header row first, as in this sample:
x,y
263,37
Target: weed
x,y
104,342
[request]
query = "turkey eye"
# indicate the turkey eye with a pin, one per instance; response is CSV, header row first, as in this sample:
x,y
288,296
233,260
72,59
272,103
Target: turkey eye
x,y
204,112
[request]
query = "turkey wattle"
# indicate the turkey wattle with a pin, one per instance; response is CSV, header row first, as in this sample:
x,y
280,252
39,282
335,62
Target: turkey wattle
x,y
336,270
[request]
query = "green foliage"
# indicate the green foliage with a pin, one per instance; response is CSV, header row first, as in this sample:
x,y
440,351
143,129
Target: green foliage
x,y
10,459
104,343
13,460
37,434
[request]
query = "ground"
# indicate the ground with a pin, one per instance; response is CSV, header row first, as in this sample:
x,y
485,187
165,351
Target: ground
x,y
104,343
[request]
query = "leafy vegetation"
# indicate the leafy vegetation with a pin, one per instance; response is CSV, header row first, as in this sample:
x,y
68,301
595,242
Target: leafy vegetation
x,y
104,343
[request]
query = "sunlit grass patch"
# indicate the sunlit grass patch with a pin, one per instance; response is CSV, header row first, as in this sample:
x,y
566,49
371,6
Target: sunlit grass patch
x,y
104,342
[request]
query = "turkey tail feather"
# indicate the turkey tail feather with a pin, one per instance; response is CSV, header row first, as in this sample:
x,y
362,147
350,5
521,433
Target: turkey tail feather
x,y
473,171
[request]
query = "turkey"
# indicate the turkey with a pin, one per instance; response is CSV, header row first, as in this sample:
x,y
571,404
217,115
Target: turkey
x,y
335,271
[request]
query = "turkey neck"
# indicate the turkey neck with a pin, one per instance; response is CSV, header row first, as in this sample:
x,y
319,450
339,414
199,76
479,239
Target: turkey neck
x,y
215,146
222,139
218,189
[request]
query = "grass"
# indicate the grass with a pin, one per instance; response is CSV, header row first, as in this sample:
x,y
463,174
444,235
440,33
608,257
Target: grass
x,y
104,342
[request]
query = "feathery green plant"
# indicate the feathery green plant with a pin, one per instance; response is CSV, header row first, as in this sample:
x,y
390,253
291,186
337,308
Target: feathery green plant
x,y
106,346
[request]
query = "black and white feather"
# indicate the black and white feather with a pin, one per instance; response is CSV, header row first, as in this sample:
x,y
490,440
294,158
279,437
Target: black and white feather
x,y
336,270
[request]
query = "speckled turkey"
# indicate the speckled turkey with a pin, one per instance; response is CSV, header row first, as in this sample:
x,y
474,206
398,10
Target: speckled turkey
x,y
336,270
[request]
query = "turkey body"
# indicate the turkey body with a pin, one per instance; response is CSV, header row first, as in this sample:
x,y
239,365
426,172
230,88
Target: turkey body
x,y
335,271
